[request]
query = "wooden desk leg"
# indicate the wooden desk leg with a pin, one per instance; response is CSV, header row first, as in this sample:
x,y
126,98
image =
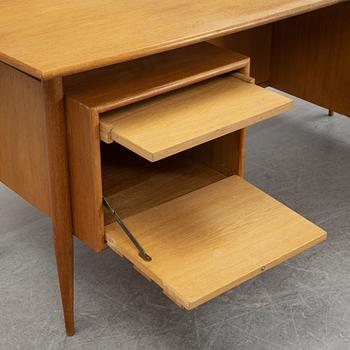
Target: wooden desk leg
x,y
60,194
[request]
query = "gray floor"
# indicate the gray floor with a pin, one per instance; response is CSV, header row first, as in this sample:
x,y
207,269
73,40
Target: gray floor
x,y
301,158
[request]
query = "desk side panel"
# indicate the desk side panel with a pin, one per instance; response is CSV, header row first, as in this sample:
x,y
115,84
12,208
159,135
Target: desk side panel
x,y
83,136
23,151
311,55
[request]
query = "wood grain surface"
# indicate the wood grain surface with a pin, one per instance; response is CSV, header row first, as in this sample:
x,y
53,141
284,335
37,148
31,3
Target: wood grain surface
x,y
311,55
49,38
125,83
133,185
206,242
85,173
24,165
254,43
179,120
60,197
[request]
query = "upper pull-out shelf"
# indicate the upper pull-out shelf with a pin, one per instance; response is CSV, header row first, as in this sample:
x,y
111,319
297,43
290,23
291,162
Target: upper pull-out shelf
x,y
212,239
119,85
174,122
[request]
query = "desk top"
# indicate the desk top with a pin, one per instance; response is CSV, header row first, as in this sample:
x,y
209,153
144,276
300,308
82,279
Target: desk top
x,y
49,38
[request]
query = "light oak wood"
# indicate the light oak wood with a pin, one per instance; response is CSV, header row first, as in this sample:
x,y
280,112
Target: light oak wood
x,y
256,44
311,55
132,184
224,154
57,157
242,231
177,121
85,173
112,87
33,161
241,152
206,242
243,77
49,38
23,151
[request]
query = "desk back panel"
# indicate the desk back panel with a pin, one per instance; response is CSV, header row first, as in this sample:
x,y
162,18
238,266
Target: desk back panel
x,y
254,43
311,57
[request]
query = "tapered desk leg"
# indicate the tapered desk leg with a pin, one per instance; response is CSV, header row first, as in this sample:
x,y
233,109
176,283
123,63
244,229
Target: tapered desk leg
x,y
60,195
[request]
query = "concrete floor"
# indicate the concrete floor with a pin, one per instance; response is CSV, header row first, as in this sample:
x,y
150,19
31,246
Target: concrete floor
x,y
301,158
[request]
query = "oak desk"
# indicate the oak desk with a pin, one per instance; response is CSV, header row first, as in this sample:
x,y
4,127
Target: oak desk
x,y
57,94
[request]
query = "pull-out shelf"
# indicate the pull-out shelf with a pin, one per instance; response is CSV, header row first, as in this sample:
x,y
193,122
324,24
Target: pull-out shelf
x,y
210,240
171,123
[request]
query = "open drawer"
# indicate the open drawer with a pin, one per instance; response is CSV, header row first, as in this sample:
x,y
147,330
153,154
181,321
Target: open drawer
x,y
170,163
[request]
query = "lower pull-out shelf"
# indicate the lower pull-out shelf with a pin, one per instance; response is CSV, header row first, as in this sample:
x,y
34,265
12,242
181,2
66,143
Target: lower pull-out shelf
x,y
210,240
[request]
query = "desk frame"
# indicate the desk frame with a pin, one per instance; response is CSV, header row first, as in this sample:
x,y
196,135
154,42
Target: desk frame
x,y
40,175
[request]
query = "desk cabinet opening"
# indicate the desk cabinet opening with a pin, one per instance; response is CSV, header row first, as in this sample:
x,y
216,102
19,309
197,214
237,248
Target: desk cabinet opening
x,y
167,153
